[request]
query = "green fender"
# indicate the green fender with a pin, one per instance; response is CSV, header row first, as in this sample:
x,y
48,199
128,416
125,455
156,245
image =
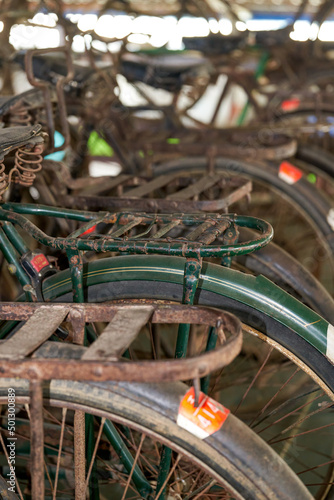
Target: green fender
x,y
257,292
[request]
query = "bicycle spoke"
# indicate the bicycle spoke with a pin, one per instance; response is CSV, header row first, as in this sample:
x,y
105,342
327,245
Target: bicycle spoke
x,y
133,467
254,379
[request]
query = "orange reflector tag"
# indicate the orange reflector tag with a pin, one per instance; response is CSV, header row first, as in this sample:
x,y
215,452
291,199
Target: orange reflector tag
x,y
289,173
290,104
203,420
90,230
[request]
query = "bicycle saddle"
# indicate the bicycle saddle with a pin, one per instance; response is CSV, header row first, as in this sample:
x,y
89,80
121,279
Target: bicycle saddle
x,y
215,44
32,98
50,68
166,72
14,137
273,38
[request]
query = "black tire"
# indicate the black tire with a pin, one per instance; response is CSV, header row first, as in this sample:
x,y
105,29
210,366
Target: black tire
x,y
234,455
305,197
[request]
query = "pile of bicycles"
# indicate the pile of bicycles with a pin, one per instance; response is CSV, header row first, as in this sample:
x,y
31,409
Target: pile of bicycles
x,y
155,342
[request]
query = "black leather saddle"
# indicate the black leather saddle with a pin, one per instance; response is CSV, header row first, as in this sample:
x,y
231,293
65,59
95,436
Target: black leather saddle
x,y
15,137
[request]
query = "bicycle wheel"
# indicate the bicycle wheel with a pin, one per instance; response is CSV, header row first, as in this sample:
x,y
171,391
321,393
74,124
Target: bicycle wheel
x,y
271,315
299,194
232,463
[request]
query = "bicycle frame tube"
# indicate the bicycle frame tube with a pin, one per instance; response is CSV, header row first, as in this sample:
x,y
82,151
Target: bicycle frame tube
x,y
11,245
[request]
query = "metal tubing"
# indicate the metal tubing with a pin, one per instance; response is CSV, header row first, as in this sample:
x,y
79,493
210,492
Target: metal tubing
x,y
141,483
211,344
11,257
192,272
76,269
79,455
15,238
37,439
93,484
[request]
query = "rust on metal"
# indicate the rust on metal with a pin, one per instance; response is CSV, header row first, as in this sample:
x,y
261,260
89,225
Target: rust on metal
x,y
45,87
99,364
39,328
79,455
119,334
177,192
37,439
133,233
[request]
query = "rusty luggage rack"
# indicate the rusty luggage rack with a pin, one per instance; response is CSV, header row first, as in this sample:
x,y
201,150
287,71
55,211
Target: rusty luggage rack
x,y
191,236
30,355
176,192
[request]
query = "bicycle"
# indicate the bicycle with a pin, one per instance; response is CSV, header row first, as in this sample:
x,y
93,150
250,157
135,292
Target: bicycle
x,y
225,283
162,278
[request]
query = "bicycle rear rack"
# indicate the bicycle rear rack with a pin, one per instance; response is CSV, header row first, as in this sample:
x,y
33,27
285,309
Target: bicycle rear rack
x,y
176,192
191,236
28,354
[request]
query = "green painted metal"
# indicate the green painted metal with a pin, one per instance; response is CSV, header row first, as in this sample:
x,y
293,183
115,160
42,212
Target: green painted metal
x,y
10,255
136,245
192,270
211,344
62,213
164,468
93,484
15,238
257,292
76,270
231,238
143,486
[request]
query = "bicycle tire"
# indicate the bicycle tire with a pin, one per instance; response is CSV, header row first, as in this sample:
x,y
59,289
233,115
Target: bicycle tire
x,y
309,201
282,321
233,455
320,158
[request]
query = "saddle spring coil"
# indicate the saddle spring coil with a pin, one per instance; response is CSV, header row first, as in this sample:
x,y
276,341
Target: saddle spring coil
x,y
20,116
41,118
3,180
27,163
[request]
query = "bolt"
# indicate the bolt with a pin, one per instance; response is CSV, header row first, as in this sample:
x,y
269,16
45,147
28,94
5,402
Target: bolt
x,y
30,289
12,269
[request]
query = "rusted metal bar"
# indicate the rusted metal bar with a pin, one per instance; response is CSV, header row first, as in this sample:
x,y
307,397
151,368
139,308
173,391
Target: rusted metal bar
x,y
126,227
100,185
79,455
196,188
57,366
156,183
37,439
45,87
39,328
163,313
165,229
171,203
119,334
200,230
213,232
